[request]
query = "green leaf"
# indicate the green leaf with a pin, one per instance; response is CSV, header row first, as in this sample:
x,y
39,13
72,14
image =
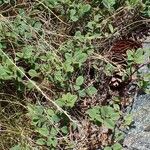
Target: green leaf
x,y
5,73
58,76
32,73
60,102
37,25
30,85
16,147
117,146
91,91
56,118
80,57
82,93
64,129
34,109
109,3
97,17
110,124
43,131
73,15
109,69
20,74
94,114
111,28
130,55
27,52
107,148
109,112
128,119
70,99
115,116
76,87
104,112
91,24
67,100
41,141
93,111
79,80
85,8
116,107
139,56
68,67
119,135
53,131
146,77
50,112
133,2
68,57
72,12
52,141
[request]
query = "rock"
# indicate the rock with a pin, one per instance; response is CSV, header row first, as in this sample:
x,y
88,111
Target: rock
x,y
138,138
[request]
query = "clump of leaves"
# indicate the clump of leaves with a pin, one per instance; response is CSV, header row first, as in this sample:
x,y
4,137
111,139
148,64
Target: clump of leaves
x,y
46,123
67,100
105,115
138,62
43,55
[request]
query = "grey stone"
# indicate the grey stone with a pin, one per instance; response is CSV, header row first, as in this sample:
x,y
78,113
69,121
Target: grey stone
x,y
138,138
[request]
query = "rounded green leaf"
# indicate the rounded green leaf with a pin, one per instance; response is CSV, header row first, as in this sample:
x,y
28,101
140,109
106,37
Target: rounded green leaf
x,y
82,93
85,8
110,124
107,148
128,119
117,146
64,129
91,90
32,73
52,141
41,141
79,80
76,87
43,131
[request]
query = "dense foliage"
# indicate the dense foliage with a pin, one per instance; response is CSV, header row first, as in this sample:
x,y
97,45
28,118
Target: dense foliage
x,y
55,71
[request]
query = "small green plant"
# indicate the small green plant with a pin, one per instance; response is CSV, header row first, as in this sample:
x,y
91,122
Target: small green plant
x,y
53,43
139,64
67,100
46,123
127,120
146,11
105,115
78,10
